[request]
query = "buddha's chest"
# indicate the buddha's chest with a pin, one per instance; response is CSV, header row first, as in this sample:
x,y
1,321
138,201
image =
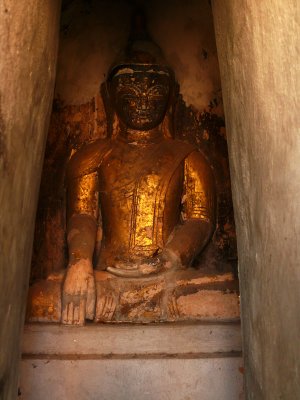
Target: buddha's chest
x,y
130,168
141,190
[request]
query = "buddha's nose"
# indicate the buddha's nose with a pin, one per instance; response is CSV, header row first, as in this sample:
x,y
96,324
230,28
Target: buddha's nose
x,y
144,103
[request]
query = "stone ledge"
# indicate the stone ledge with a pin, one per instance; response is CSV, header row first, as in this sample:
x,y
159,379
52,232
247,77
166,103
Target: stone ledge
x,y
161,379
153,340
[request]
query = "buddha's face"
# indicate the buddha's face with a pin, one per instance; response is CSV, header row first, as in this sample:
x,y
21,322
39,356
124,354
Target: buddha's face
x,y
141,98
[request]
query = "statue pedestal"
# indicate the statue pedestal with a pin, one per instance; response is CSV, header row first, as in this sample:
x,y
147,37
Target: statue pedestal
x,y
178,360
174,296
108,361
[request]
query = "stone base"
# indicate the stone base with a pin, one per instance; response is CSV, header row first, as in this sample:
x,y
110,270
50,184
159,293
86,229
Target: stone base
x,y
130,379
174,296
120,362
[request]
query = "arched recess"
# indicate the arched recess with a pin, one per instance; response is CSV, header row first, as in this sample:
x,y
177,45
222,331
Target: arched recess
x,y
88,30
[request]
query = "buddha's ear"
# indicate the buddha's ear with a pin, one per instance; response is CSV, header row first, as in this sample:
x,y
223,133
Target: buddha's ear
x,y
168,125
111,117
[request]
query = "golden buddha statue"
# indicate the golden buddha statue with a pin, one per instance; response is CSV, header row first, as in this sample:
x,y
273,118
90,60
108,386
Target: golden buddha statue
x,y
155,194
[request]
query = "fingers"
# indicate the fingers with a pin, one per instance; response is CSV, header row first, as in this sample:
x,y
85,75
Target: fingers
x,y
75,315
100,307
135,273
64,317
82,312
147,269
143,270
106,306
74,311
110,309
68,308
68,312
90,299
173,308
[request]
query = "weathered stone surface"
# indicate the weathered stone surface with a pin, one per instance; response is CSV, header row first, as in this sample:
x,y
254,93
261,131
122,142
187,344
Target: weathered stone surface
x,y
121,340
258,47
28,48
123,379
109,361
185,295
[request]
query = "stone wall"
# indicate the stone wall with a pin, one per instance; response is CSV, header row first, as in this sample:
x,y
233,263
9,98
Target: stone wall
x,y
258,47
28,48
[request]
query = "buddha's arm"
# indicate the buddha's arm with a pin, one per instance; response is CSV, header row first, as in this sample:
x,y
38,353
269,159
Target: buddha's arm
x,y
190,237
79,295
82,217
82,207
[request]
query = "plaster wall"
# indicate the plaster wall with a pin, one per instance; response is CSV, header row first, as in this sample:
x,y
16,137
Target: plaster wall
x,y
93,33
28,48
258,48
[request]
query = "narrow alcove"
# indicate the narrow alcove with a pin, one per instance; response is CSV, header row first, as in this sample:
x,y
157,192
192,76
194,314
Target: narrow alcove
x,y
90,40
257,43
91,37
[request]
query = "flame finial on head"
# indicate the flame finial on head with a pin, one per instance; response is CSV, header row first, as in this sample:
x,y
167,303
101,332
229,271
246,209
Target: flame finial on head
x,y
138,26
141,50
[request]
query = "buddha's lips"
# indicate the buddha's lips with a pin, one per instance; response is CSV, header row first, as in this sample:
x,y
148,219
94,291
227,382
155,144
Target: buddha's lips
x,y
145,115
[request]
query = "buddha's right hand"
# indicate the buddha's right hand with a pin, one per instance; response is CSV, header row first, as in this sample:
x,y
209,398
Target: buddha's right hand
x,y
79,293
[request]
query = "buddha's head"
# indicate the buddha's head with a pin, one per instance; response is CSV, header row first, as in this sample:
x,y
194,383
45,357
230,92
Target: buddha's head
x,y
140,83
141,96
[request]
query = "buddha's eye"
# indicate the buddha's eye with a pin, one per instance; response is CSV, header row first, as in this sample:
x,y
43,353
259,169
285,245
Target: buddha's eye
x,y
132,103
126,91
130,100
157,98
157,92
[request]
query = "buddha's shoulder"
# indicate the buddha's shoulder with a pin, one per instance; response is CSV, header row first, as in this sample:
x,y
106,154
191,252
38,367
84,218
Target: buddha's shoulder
x,y
187,151
88,158
191,153
176,144
197,157
199,167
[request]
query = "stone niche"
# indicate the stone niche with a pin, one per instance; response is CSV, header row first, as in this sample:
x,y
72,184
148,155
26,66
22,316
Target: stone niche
x,y
91,35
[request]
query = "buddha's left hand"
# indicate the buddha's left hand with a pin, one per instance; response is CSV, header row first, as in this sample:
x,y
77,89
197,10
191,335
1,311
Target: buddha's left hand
x,y
167,260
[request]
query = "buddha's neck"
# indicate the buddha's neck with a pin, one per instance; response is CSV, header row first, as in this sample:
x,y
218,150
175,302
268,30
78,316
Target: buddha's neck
x,y
141,137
